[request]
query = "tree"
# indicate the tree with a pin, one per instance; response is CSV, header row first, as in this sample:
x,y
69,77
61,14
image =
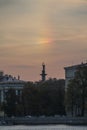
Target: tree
x,y
44,98
73,97
30,99
10,105
77,91
81,77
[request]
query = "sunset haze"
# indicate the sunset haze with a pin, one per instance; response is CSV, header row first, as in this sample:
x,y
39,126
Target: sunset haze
x,y
37,31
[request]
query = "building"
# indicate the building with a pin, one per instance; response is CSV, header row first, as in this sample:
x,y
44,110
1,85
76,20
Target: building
x,y
70,72
9,82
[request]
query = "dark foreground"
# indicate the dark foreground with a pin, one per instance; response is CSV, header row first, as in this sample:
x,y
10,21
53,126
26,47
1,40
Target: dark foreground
x,y
43,120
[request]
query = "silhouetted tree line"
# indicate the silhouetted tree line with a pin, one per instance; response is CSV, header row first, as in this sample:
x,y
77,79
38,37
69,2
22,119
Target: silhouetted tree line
x,y
50,98
42,98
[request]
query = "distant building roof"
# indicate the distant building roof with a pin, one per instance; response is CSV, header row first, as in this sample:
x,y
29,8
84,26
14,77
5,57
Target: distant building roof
x,y
9,78
75,66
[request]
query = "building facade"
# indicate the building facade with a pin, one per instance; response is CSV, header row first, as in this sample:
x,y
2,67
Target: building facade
x,y
9,82
70,72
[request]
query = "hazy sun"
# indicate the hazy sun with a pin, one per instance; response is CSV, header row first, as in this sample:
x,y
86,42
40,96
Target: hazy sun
x,y
44,41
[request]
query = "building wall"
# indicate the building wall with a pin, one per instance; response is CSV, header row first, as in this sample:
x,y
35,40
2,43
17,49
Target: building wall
x,y
70,72
9,82
5,86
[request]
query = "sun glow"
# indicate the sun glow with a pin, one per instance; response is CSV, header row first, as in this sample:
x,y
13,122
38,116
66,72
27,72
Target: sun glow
x,y
44,40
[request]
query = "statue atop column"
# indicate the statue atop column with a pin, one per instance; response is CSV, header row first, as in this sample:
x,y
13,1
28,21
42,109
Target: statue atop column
x,y
43,74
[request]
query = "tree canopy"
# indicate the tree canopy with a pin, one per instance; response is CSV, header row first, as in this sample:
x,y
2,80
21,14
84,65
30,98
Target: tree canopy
x,y
77,91
44,98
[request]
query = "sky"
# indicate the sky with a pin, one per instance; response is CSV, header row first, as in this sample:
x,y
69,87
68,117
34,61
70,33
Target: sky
x,y
37,31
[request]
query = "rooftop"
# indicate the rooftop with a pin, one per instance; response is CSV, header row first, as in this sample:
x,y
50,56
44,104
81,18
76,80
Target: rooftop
x,y
75,66
9,78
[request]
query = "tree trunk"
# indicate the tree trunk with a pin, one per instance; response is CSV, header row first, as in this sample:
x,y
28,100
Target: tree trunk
x,y
72,107
83,102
